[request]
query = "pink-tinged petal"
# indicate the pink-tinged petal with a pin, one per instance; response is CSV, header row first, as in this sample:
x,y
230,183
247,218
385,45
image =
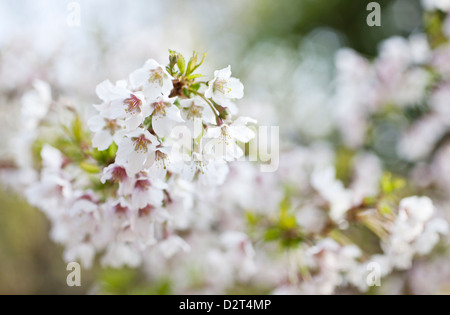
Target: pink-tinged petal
x,y
52,158
103,90
214,173
233,151
213,132
244,121
152,91
125,187
188,170
224,73
125,147
207,114
138,78
231,107
96,123
171,246
220,99
102,140
156,196
174,113
212,146
162,125
146,109
158,170
140,198
151,64
186,103
167,87
236,88
150,159
136,162
134,121
107,92
241,133
101,107
195,128
115,110
209,91
118,136
107,173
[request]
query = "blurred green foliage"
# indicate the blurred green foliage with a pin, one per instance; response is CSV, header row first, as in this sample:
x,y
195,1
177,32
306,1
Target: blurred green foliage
x,y
292,19
30,263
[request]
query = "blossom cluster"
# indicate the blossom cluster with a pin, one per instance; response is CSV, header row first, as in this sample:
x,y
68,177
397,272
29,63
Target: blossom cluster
x,y
154,136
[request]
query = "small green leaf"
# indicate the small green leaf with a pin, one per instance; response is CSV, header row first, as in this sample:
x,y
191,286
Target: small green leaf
x,y
192,64
386,184
186,92
287,222
195,86
77,129
90,168
251,217
398,183
194,76
112,150
385,209
271,234
369,201
181,63
390,183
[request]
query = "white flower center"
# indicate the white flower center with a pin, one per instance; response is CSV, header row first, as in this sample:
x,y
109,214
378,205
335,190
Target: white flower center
x,y
221,85
160,159
140,144
133,105
224,136
111,125
157,76
160,107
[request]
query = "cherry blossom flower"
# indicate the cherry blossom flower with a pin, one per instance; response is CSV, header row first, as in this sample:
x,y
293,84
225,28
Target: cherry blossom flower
x,y
147,192
224,137
106,131
118,174
224,88
165,116
152,79
120,102
136,151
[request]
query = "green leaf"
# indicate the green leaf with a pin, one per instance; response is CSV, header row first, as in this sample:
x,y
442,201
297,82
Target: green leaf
x,y
287,222
369,201
112,150
181,63
77,129
386,184
194,76
195,86
385,209
343,164
186,92
271,234
251,218
398,183
192,64
90,168
390,184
